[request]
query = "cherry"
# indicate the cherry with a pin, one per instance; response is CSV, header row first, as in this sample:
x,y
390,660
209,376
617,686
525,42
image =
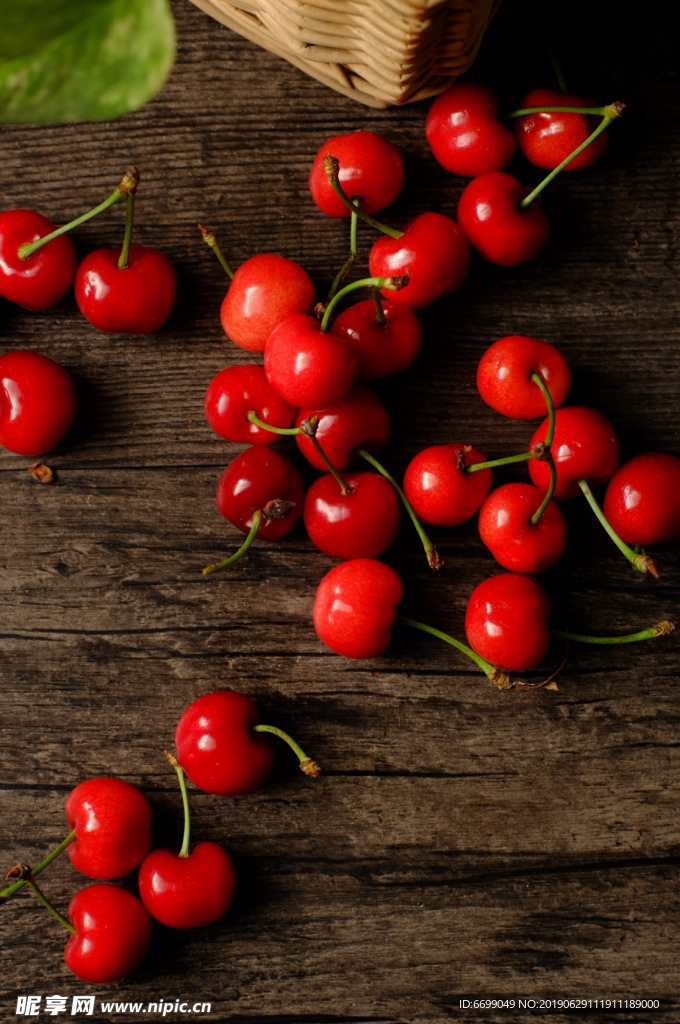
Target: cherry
x,y
438,487
362,523
307,366
547,138
506,621
354,608
265,291
37,402
40,280
359,420
112,824
222,746
506,529
585,447
504,376
495,223
642,502
465,133
433,251
238,390
371,169
383,342
112,934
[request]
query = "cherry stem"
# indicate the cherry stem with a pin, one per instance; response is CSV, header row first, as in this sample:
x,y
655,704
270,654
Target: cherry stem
x,y
641,561
522,457
433,559
611,112
50,906
602,111
392,284
308,766
496,676
210,238
128,186
12,889
308,428
379,311
660,629
129,221
538,380
349,262
331,166
184,851
218,566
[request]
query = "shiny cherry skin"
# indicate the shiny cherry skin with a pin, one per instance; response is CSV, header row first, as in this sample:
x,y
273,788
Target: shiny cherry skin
x,y
642,501
465,132
216,745
354,608
371,169
441,493
191,891
137,300
505,528
360,524
264,291
112,820
40,281
432,248
308,366
37,402
360,420
506,621
585,447
113,934
546,139
504,376
238,390
379,349
254,478
491,219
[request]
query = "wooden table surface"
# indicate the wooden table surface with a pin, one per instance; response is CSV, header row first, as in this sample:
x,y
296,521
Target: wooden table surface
x,y
461,842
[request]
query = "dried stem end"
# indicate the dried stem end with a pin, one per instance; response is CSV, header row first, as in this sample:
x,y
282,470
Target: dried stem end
x,y
310,768
277,508
665,627
130,182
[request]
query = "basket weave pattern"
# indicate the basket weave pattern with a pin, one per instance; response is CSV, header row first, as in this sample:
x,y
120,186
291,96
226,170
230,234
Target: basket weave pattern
x,y
380,52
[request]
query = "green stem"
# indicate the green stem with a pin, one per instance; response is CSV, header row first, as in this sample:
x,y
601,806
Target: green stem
x,y
552,469
602,111
641,562
129,221
538,380
218,566
661,629
128,186
308,766
50,906
332,168
613,111
12,889
433,559
349,262
184,851
210,238
392,284
252,417
494,674
379,311
522,457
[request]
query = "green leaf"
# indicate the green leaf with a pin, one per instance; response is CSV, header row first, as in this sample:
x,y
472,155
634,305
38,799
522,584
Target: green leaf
x,y
77,60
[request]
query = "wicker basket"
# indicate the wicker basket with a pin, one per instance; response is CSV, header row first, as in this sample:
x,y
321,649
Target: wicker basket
x,y
380,52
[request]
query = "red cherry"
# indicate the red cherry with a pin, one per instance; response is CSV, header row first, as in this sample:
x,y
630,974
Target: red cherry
x,y
546,139
642,501
238,390
439,490
37,402
465,133
136,300
506,621
360,420
264,291
191,891
112,820
504,371
354,608
113,934
506,530
216,745
380,349
42,279
360,524
371,168
308,366
253,479
585,447
494,224
432,248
